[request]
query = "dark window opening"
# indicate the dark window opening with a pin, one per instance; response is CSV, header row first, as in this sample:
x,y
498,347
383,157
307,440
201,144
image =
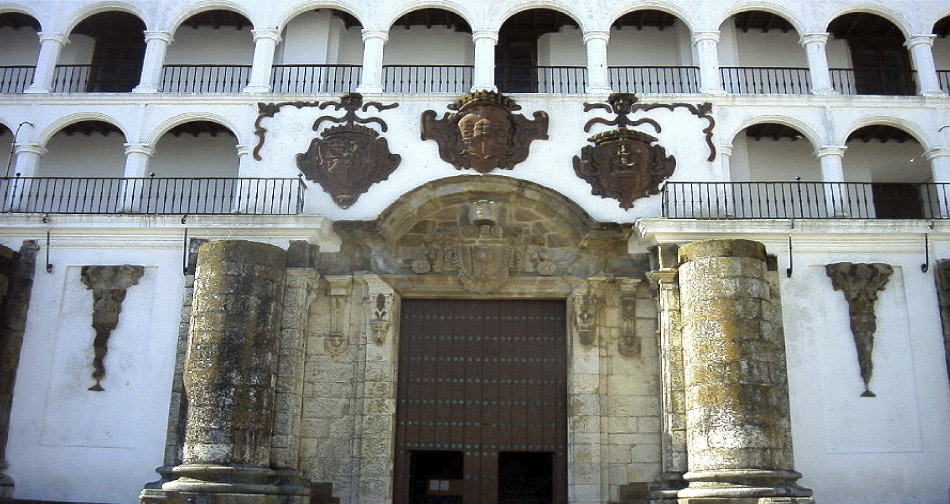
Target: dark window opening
x,y
435,477
897,201
525,478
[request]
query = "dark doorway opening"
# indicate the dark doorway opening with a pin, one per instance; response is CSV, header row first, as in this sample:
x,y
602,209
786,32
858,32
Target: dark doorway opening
x,y
525,478
897,201
435,477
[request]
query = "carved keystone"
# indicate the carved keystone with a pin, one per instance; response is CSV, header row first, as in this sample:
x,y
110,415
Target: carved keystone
x,y
108,284
860,284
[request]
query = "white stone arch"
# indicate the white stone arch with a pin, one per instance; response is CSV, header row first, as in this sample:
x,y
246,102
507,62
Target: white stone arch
x,y
99,7
58,124
899,19
22,9
301,7
567,8
911,128
779,10
209,5
935,19
414,5
165,126
667,7
813,137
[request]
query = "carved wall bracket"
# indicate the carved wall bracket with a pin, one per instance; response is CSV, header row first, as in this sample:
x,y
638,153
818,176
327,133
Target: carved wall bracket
x,y
629,343
337,340
350,157
379,309
860,284
266,110
109,285
484,134
585,301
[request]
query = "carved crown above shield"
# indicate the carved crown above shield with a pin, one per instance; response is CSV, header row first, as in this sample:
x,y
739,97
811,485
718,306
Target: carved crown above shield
x,y
484,133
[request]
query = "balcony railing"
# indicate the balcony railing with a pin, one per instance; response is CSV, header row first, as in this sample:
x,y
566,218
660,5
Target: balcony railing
x,y
14,79
455,79
765,80
654,79
805,200
943,76
193,196
315,78
885,81
111,78
205,78
541,79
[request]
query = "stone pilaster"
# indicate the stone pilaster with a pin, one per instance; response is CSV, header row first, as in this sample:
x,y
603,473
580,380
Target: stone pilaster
x,y
230,381
737,422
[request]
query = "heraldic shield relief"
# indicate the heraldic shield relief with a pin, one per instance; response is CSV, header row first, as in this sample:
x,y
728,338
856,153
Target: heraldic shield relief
x,y
349,158
484,134
624,164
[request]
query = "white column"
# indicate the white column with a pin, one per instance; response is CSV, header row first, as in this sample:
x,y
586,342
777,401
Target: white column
x,y
707,51
243,200
137,156
815,48
831,158
921,53
265,45
27,161
484,77
726,195
156,44
598,81
940,167
373,43
50,46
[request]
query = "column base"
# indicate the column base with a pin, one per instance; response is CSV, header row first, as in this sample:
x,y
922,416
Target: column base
x,y
933,93
369,89
824,92
743,486
493,88
256,89
213,484
753,500
35,90
144,89
6,486
605,90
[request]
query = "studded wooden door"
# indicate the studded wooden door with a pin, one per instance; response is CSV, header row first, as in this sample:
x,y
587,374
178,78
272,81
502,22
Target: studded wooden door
x,y
481,405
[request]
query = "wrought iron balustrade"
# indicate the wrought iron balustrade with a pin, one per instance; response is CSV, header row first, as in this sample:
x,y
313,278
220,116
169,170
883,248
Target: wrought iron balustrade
x,y
205,78
315,78
153,195
848,81
14,79
456,79
541,79
105,78
654,79
943,76
765,80
805,200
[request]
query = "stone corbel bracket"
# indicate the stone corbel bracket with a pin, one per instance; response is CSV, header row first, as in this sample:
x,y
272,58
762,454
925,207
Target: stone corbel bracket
x,y
586,301
860,284
109,285
379,309
629,343
337,341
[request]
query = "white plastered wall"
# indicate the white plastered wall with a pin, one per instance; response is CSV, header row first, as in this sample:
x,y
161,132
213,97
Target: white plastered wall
x,y
207,46
195,156
650,46
79,155
771,160
19,47
886,162
428,46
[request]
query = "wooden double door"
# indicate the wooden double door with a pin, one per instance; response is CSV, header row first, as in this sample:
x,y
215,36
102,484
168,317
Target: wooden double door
x,y
481,407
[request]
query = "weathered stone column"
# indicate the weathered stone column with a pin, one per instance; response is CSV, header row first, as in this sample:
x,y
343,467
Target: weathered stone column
x,y
230,380
737,424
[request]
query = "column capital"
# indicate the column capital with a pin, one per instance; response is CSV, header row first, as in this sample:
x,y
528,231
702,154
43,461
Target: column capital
x,y
139,148
814,38
266,34
937,153
725,150
159,36
830,150
922,39
29,148
375,34
705,36
244,150
665,277
596,35
485,34
60,38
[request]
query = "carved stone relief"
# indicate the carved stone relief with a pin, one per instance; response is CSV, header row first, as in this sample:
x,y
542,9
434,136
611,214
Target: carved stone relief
x,y
586,301
860,284
109,285
337,340
484,134
629,344
380,307
350,157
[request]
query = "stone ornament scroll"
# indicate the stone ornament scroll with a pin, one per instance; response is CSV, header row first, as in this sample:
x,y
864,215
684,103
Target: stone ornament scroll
x,y
860,283
109,285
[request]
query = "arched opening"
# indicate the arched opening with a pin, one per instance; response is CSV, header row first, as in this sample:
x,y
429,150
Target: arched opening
x,y
19,47
540,51
211,53
890,164
650,52
873,60
84,149
321,52
941,52
104,55
759,53
429,51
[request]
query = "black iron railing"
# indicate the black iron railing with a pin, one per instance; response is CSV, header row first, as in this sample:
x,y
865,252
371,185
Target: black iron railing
x,y
805,200
315,78
943,76
654,79
765,80
541,79
456,79
111,78
14,79
883,81
62,195
205,78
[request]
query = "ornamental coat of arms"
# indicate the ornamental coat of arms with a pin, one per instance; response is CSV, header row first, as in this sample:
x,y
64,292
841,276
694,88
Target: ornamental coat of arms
x,y
348,158
624,164
484,134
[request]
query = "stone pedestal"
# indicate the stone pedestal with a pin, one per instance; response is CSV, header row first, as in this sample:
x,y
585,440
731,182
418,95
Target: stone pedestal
x,y
230,381
737,421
